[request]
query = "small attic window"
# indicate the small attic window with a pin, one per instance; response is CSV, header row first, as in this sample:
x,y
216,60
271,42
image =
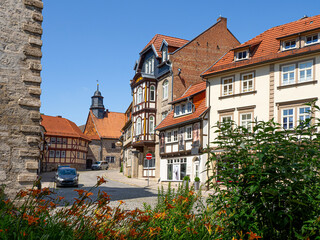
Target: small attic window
x,y
290,44
241,55
164,55
313,39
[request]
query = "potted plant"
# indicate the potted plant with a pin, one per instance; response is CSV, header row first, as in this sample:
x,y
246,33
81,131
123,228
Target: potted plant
x,y
196,183
186,180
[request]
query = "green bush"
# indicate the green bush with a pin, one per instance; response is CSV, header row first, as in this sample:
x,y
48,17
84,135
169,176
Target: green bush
x,y
267,180
197,179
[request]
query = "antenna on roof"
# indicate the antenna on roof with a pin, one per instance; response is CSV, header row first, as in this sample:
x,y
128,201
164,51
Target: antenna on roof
x,y
97,84
305,16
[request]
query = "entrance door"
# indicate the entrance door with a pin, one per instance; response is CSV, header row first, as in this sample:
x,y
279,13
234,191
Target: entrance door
x,y
176,172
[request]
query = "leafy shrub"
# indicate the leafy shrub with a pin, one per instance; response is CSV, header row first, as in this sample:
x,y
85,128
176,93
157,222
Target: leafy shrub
x,y
267,180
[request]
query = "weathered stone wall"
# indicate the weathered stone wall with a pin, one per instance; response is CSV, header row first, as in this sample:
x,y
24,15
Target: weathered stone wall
x,y
20,67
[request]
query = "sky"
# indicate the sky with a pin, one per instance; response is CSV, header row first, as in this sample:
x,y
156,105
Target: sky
x,y
89,40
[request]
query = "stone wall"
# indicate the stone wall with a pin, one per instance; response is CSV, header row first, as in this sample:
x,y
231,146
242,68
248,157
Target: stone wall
x,y
20,67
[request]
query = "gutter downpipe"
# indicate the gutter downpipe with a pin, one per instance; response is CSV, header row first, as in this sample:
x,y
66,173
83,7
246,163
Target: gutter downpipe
x,y
208,152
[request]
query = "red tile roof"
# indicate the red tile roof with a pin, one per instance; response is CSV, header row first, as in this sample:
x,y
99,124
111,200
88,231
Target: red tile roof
x,y
191,91
266,46
58,126
172,41
171,121
109,126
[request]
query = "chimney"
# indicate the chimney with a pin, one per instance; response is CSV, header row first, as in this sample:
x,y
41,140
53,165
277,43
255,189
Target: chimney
x,y
222,20
59,116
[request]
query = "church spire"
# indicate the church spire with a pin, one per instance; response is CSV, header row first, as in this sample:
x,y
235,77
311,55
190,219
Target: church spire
x,y
97,106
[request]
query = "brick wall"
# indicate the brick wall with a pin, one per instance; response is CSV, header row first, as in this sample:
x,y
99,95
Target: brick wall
x,y
199,55
20,67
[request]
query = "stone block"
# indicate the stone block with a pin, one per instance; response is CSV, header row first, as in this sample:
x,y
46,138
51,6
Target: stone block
x,y
35,66
29,102
27,177
33,139
33,3
32,165
32,79
3,175
32,28
35,91
37,17
35,41
29,153
31,51
30,129
35,115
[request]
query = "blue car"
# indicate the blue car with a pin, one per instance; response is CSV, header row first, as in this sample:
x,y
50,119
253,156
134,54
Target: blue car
x,y
67,176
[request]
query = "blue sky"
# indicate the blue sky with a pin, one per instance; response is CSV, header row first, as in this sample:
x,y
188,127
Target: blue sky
x,y
85,41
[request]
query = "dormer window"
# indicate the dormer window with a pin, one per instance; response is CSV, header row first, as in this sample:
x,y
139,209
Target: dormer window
x,y
182,109
149,65
312,39
291,44
242,55
164,55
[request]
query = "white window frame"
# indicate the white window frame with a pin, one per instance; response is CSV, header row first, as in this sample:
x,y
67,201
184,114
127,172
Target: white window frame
x,y
228,86
188,132
164,55
226,118
177,110
152,91
305,69
57,153
288,72
247,81
139,95
53,140
246,123
288,117
165,86
175,135
189,107
239,55
305,115
52,154
64,141
289,41
168,137
151,124
138,126
312,41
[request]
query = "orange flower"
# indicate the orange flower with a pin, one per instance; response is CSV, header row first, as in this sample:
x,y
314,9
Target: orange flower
x,y
6,201
253,235
160,215
133,232
121,202
80,191
60,198
22,193
1,230
100,180
208,227
89,194
169,206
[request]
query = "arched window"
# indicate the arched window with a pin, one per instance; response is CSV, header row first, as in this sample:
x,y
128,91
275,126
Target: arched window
x,y
165,89
138,126
151,124
139,96
152,93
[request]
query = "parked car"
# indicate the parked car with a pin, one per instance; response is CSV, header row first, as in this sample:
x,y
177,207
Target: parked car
x,y
63,166
67,176
99,165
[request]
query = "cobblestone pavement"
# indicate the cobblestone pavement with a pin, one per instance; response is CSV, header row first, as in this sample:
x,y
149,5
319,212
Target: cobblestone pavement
x,y
134,192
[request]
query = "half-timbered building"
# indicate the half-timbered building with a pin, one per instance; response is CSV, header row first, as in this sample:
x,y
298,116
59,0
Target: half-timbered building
x,y
144,91
183,136
64,144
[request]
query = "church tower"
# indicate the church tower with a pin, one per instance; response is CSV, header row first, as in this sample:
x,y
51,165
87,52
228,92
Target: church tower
x,y
97,107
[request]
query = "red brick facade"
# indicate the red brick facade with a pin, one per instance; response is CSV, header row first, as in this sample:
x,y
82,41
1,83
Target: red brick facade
x,y
199,54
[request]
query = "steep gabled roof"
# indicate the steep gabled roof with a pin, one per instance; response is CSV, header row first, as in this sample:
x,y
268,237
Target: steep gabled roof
x,y
197,93
58,126
266,46
171,121
156,41
191,91
107,127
